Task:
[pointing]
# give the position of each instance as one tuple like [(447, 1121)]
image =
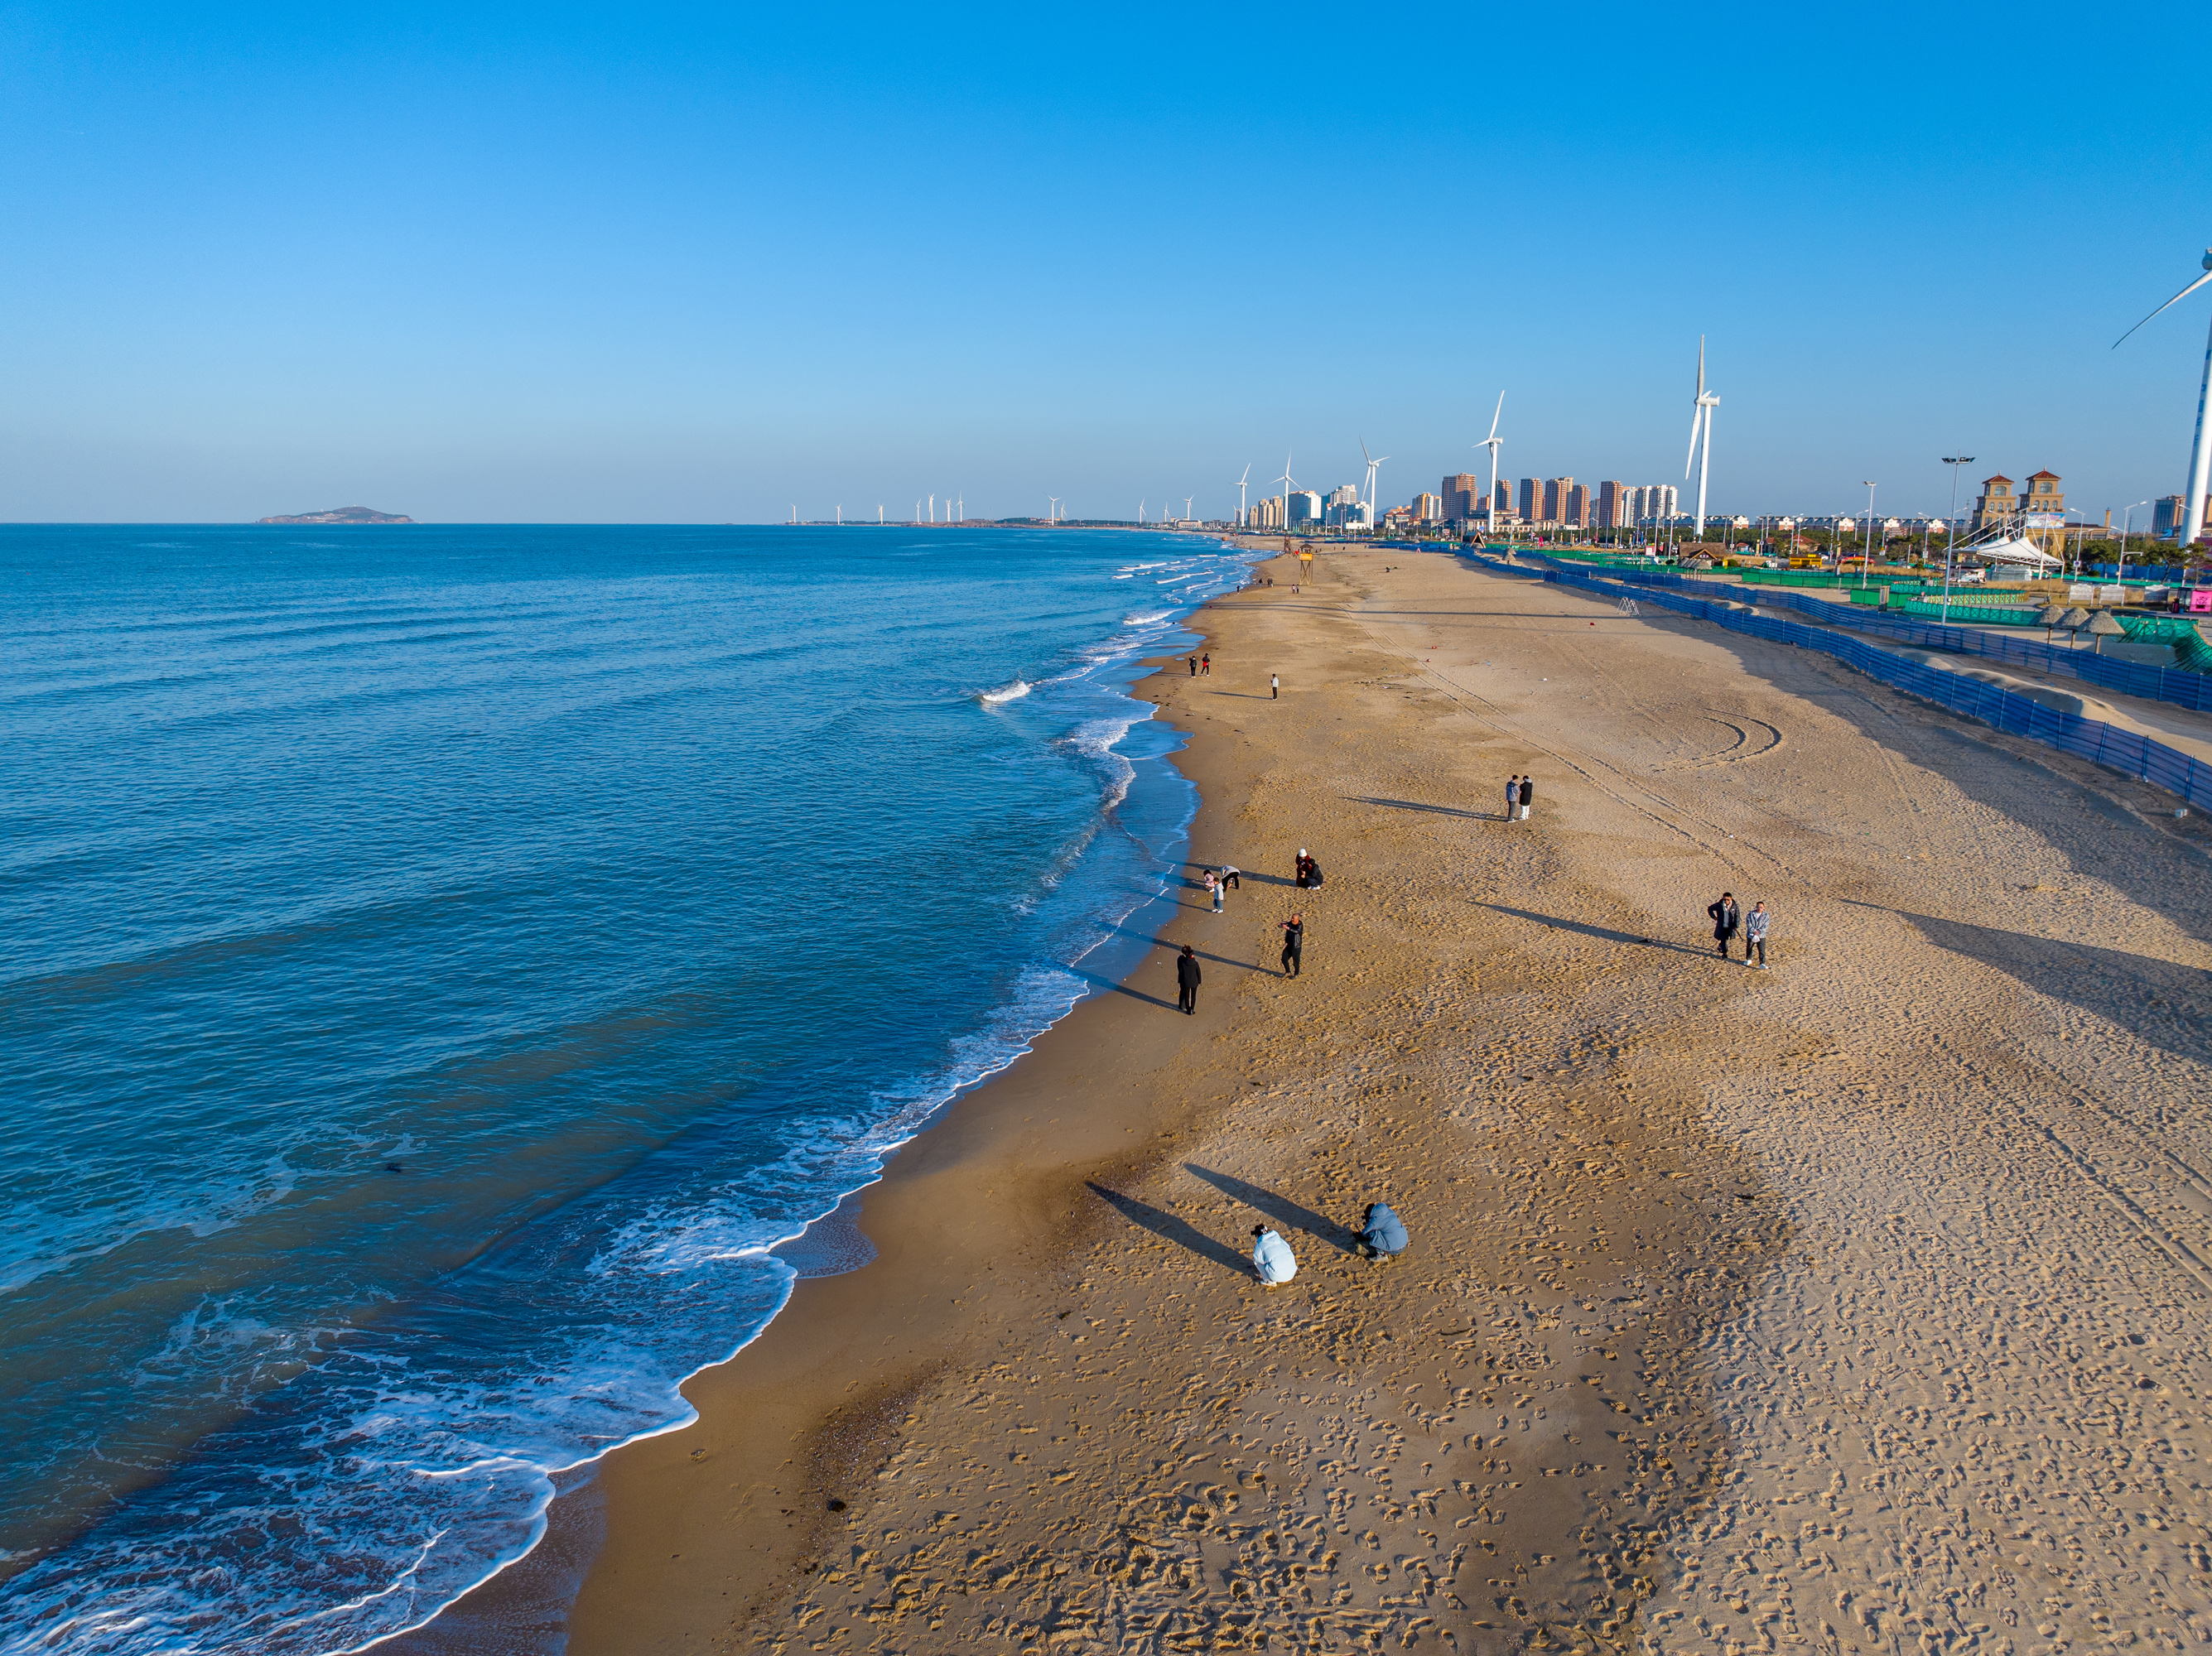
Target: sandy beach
[(1857, 1303)]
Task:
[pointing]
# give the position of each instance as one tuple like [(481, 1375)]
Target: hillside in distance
[(343, 514)]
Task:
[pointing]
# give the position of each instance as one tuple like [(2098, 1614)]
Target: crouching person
[(1381, 1233), (1272, 1258)]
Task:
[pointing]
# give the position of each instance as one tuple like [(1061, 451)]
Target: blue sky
[(678, 265)]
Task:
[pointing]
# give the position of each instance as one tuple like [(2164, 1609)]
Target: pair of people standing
[(1726, 919), (1520, 794)]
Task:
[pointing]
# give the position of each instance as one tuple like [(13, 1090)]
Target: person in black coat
[(1294, 943), (1528, 794), (1187, 980), (1724, 921)]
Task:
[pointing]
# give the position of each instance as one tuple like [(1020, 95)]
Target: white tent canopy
[(2020, 551)]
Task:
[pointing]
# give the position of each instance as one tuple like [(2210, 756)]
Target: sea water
[(440, 964)]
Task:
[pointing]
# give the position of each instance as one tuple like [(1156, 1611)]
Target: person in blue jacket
[(1381, 1233), (1272, 1258)]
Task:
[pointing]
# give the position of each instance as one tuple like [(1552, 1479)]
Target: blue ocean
[(442, 965)]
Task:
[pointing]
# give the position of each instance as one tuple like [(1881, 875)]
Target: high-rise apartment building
[(1304, 507), (1504, 497), (1575, 504), (1462, 492), (1427, 508), (1532, 500), (1268, 514), (1555, 499), (1612, 505)]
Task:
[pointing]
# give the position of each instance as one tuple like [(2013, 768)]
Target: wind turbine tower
[(1493, 443), (1701, 420), (1052, 509), (1240, 497), (1287, 480), (2200, 455), (1373, 462)]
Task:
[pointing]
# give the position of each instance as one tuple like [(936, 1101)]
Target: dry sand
[(1857, 1304)]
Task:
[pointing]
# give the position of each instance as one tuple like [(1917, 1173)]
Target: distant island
[(345, 515)]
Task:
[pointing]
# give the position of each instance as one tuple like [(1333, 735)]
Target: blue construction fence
[(2169, 684), (2086, 738)]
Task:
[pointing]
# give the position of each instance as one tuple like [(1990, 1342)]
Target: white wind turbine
[(1701, 419), (1052, 510), (1373, 463), (1493, 443), (1240, 497), (1287, 480), (1140, 509), (2200, 456)]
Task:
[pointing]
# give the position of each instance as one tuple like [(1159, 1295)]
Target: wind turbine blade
[(1496, 417), (1364, 454), (1696, 420), (2168, 305), (1701, 365)]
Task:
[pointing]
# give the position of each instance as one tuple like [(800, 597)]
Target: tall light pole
[(1866, 545), (1951, 525), (2121, 572)]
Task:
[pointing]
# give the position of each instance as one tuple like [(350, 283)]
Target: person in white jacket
[(1272, 1258)]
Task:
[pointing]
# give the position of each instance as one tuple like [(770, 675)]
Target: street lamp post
[(1866, 543), (1951, 527), (2121, 574)]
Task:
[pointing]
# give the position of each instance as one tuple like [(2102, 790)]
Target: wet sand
[(1852, 1302)]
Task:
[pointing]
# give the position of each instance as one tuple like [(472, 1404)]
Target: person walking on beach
[(1754, 935), (1724, 921), (1274, 688), (1527, 793), (1381, 1233), (1187, 980), (1512, 795), (1294, 942), (1194, 666), (1205, 667), (1213, 889), (1272, 1262)]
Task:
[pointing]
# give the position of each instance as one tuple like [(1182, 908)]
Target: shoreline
[(976, 1223), (535, 1590)]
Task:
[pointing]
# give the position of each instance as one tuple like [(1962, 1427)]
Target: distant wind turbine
[(1373, 462), (1140, 510), (1052, 508), (2200, 455), (1493, 443), (1187, 499), (1287, 480), (1701, 420), (1240, 497)]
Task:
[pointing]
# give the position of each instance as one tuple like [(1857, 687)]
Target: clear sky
[(661, 264)]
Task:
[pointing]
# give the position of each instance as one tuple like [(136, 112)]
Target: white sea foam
[(472, 1465)]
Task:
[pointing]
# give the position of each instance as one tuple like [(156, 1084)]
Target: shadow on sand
[(1284, 1211), (1434, 811), (1605, 934), (1168, 1227), (2161, 1004)]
